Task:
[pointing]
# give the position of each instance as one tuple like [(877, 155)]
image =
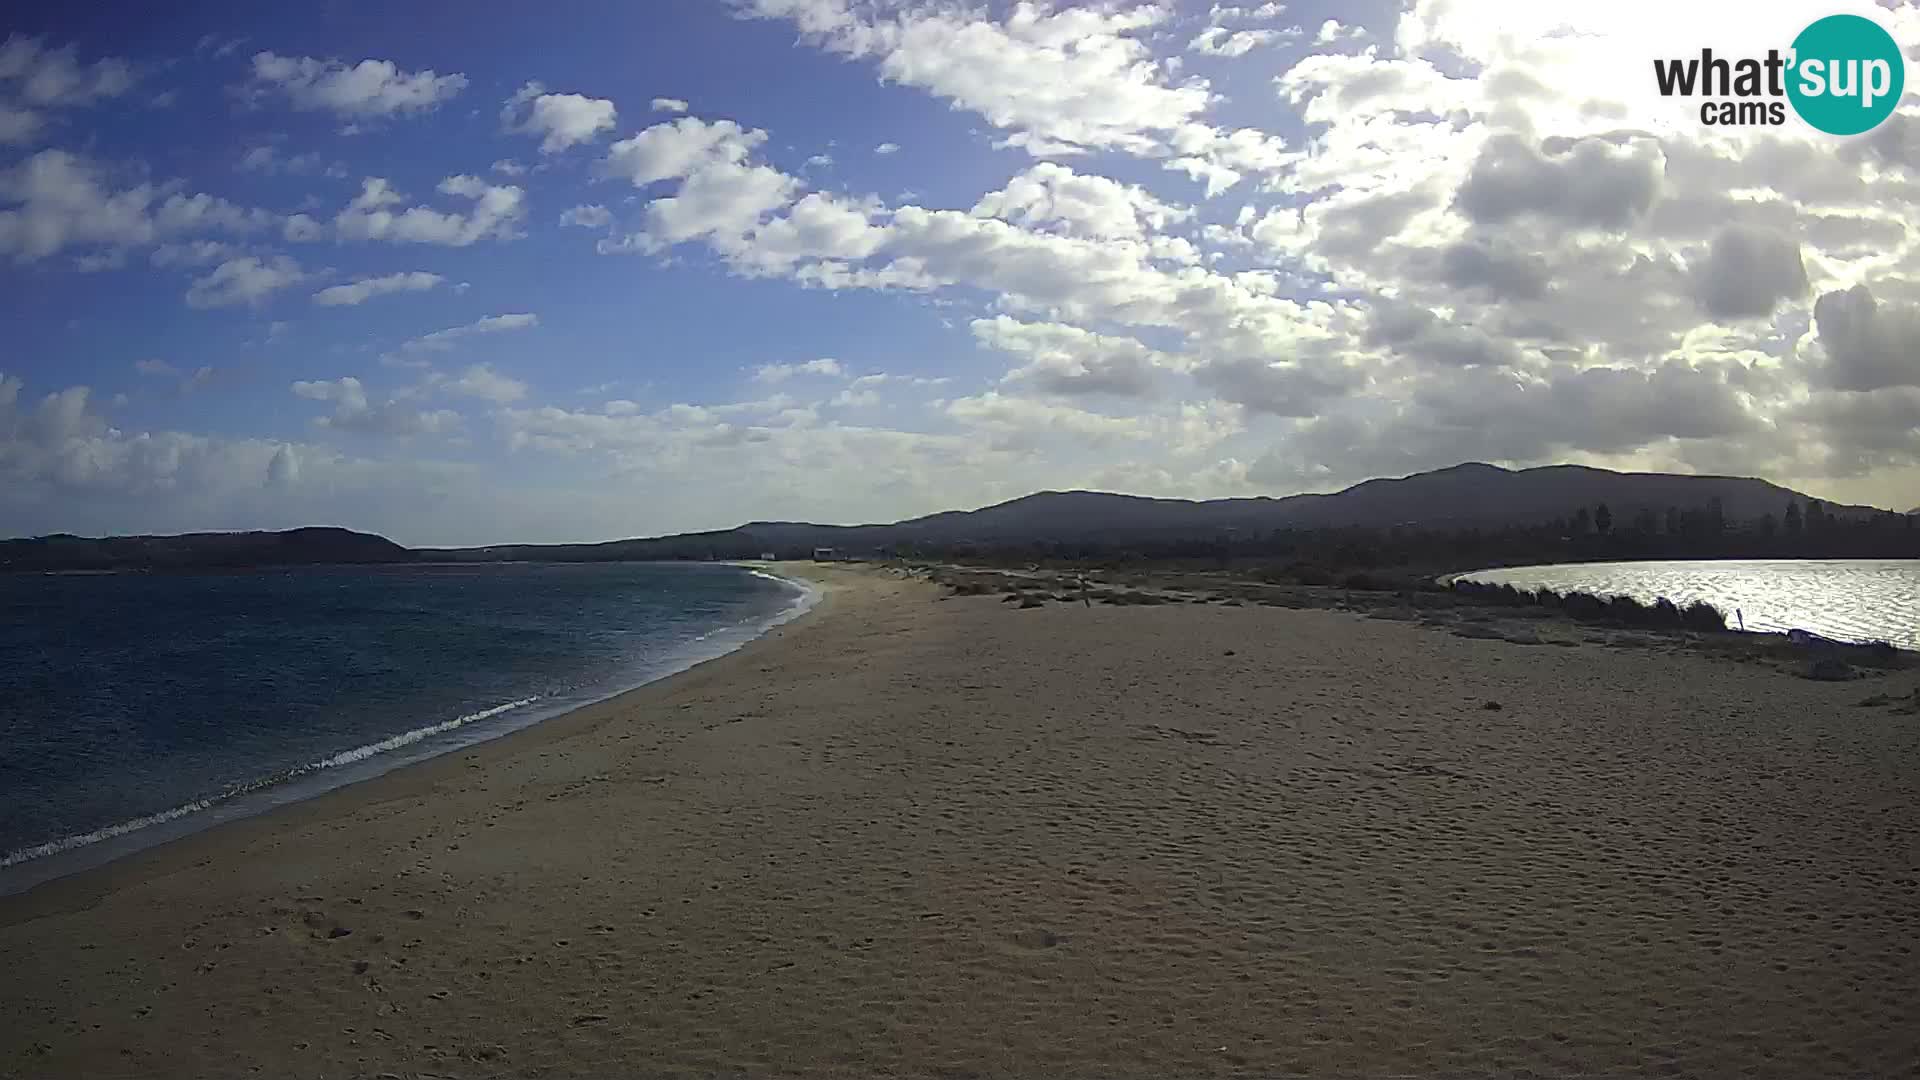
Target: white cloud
[(44, 77), (301, 229), (354, 411), (1068, 360), (195, 253), (886, 148), (54, 200), (587, 216), (509, 167), (269, 160), (1056, 80), (677, 149), (1093, 206), (1012, 421), (1332, 32), (481, 381), (492, 324), (371, 88), (560, 120), (776, 373), (1219, 41), (18, 125), (720, 200), (496, 214), (667, 104), (245, 280), (364, 289)]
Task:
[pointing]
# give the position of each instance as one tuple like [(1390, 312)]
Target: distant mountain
[(293, 547), (1463, 496), (1471, 495)]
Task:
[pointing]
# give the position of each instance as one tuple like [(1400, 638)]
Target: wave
[(345, 757)]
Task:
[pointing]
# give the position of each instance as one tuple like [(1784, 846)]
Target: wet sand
[(928, 836)]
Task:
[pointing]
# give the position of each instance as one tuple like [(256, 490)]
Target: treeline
[(1584, 534)]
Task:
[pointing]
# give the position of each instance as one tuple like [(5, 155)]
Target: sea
[(1843, 599), (137, 707)]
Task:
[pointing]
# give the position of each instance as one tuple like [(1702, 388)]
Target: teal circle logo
[(1848, 74)]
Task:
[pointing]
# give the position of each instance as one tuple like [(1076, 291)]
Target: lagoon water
[(1847, 599), (134, 707)]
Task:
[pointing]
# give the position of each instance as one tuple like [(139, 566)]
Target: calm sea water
[(1848, 599), (134, 707)]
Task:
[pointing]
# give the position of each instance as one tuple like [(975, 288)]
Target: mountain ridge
[(1464, 496)]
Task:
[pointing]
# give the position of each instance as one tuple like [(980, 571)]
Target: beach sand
[(929, 836)]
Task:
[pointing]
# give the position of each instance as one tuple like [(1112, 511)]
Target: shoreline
[(922, 834), (66, 856)]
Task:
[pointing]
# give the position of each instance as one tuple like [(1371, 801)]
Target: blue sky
[(643, 268)]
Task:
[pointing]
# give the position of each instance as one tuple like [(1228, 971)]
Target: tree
[(1817, 519), (1580, 522), (1793, 517), (1602, 519), (1768, 526)]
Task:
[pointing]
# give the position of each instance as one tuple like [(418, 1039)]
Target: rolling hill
[(1463, 496)]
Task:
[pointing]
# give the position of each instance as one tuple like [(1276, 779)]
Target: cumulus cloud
[(360, 291), (587, 216), (245, 280), (1748, 271), (55, 200), (371, 88), (671, 105), (496, 214), (355, 411), (1867, 345), (720, 196), (44, 77), (301, 229), (1068, 360), (559, 120), (677, 149), (1589, 181), (1220, 41), (1051, 195)]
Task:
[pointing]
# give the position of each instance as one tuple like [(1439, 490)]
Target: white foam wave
[(68, 843), (408, 738), (345, 757)]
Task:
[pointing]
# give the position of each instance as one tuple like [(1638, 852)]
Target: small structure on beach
[(824, 554), (767, 556)]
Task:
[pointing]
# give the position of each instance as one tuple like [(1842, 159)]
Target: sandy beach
[(921, 835)]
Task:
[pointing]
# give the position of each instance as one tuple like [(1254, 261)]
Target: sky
[(514, 272)]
